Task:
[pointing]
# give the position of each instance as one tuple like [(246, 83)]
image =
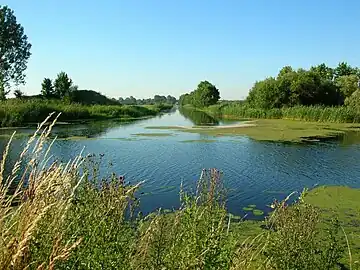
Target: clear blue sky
[(148, 47)]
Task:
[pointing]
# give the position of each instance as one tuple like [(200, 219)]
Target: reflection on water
[(254, 172), (199, 118)]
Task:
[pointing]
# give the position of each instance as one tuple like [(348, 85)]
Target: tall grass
[(18, 112), (68, 216), (341, 114)]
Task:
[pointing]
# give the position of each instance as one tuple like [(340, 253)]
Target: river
[(253, 172)]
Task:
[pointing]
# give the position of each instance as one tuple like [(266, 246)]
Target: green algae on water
[(258, 212)]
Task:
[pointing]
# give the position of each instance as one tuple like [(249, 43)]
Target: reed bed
[(20, 112), (340, 114)]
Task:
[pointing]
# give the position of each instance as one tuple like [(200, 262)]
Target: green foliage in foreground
[(199, 235), (19, 112)]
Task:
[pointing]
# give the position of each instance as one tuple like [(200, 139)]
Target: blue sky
[(148, 47)]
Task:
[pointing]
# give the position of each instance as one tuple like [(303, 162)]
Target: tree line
[(320, 85), (156, 100)]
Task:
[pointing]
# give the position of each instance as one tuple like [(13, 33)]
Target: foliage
[(18, 93), (62, 85), (19, 112), (339, 114), (14, 51), (347, 84), (158, 99), (321, 85), (90, 97), (297, 241), (205, 94), (47, 89)]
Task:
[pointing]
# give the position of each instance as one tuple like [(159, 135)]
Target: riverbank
[(14, 113)]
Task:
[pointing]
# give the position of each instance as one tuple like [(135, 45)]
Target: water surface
[(254, 172)]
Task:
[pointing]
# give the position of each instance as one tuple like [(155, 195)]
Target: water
[(254, 172)]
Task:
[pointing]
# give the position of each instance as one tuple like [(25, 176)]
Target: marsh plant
[(71, 216)]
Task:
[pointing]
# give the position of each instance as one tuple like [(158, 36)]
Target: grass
[(276, 130), (70, 216), (20, 112), (341, 114)]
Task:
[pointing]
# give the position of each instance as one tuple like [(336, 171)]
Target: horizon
[(126, 49)]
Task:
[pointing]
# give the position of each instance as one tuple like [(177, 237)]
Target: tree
[(159, 99), (285, 70), (62, 85), (347, 84), (325, 72), (74, 88), (170, 99), (266, 94), (18, 93), (14, 51), (353, 100), (206, 94), (344, 69), (47, 89)]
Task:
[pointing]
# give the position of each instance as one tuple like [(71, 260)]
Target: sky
[(148, 47)]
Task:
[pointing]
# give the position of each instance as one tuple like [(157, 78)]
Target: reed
[(20, 112), (340, 114)]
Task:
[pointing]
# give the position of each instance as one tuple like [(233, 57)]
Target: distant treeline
[(62, 88), (156, 100)]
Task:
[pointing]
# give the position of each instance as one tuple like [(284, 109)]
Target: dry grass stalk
[(38, 191)]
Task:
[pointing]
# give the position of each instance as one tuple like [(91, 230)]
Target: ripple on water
[(254, 172)]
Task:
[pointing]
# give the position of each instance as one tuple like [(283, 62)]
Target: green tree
[(285, 70), (206, 94), (344, 69), (62, 85), (325, 72), (353, 100), (170, 99), (159, 99), (306, 88), (266, 94), (18, 93), (14, 51), (347, 84), (47, 89)]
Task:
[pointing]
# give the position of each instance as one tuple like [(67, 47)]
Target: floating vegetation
[(252, 205), (247, 208), (258, 212)]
